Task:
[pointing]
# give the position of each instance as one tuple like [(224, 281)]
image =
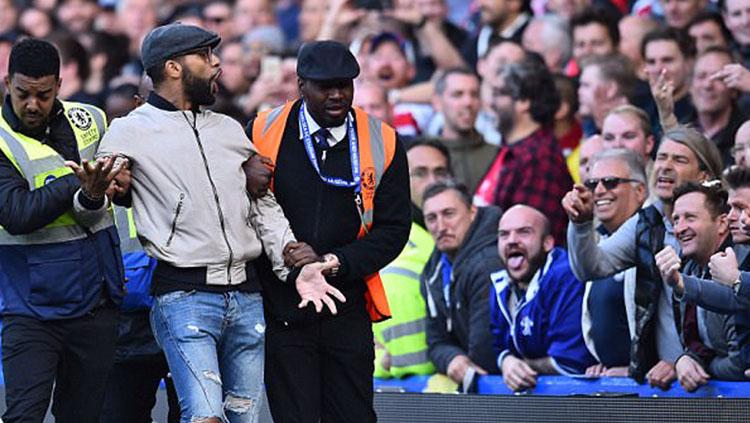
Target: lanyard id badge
[(354, 159), (353, 152)]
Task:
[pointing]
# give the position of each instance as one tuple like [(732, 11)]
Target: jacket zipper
[(174, 220), (216, 196), (450, 305)]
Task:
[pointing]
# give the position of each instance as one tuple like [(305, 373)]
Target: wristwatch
[(736, 286), (334, 270)]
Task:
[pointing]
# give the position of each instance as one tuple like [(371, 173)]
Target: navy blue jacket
[(548, 320), (60, 280)]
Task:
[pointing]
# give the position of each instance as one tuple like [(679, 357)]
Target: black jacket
[(650, 233), (23, 210), (326, 217), (469, 313)]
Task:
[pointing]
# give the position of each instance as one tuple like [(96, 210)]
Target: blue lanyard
[(446, 271), (353, 151)]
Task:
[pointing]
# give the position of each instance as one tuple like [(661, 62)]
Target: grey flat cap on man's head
[(325, 61), (168, 41)]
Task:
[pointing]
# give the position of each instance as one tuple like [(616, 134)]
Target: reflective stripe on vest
[(405, 329), (377, 145), (411, 359), (405, 335), (126, 231), (39, 164)]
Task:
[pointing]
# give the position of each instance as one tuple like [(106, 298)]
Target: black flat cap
[(167, 41), (326, 60)]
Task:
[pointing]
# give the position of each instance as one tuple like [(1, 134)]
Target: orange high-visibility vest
[(377, 145)]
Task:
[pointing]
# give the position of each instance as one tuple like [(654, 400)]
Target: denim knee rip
[(237, 404)]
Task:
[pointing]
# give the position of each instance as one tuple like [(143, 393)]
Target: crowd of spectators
[(567, 158)]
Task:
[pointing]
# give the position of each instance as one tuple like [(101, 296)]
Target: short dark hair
[(72, 51), (496, 40), (684, 43), (440, 187), (737, 177), (430, 142), (34, 58), (156, 73), (716, 195), (530, 80), (710, 16), (717, 50), (616, 68), (597, 15), (441, 83)]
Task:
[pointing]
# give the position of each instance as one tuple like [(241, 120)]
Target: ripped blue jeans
[(214, 347)]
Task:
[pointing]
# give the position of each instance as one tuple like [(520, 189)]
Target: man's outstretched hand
[(96, 177), (313, 287)]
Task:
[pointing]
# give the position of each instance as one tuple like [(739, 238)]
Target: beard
[(536, 261), (198, 91), (505, 122)]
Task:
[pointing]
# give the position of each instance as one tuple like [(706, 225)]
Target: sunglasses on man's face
[(609, 182)]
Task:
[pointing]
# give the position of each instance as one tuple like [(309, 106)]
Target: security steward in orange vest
[(341, 178)]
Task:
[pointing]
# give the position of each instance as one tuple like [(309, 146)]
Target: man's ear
[(435, 101), (723, 221), (412, 71), (173, 69), (641, 192), (301, 87), (611, 89), (482, 67), (522, 106), (473, 212), (649, 144), (562, 111), (548, 243)]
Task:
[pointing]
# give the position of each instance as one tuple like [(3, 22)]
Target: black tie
[(321, 137)]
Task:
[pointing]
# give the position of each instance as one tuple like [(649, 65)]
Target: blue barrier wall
[(567, 386)]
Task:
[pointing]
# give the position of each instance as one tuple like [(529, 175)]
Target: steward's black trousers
[(321, 370), (74, 354)]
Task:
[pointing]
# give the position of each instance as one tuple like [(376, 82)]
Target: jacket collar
[(16, 125), (160, 102)]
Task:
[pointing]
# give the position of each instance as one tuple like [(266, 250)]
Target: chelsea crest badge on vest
[(80, 118), (82, 123)]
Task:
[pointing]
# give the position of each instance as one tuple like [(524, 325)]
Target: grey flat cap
[(167, 41)]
